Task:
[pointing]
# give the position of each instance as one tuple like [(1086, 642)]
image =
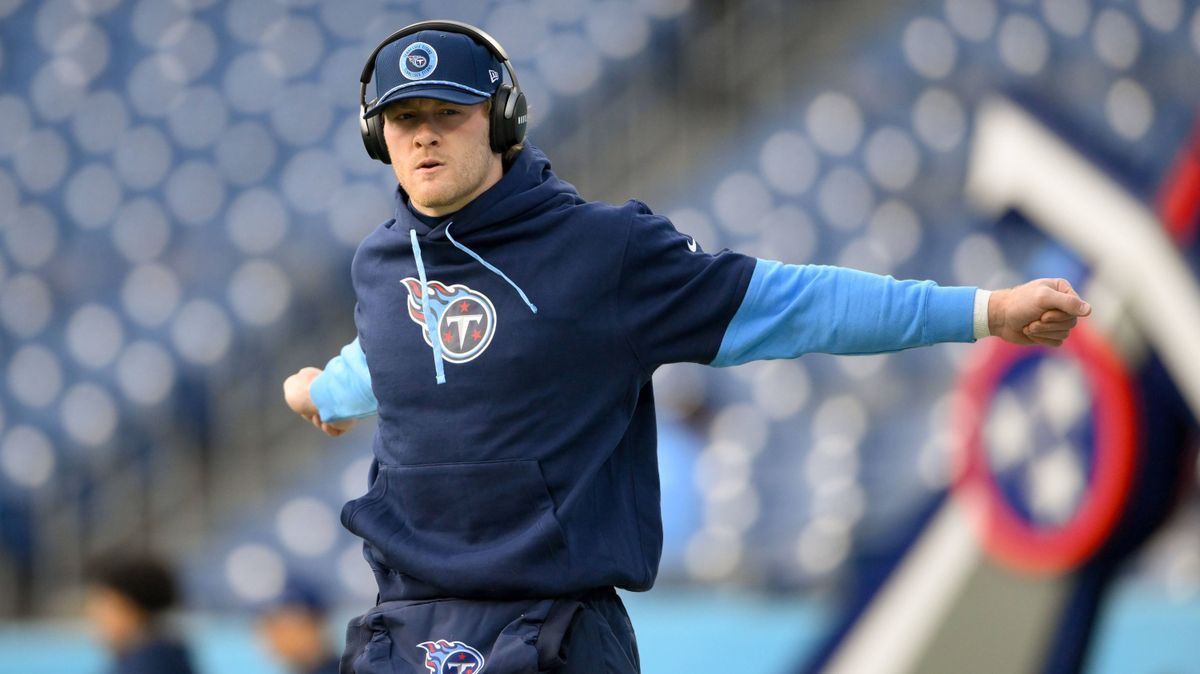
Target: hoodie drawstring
[(430, 320), (430, 323), (492, 268)]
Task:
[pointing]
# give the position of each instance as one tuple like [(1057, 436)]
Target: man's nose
[(426, 132)]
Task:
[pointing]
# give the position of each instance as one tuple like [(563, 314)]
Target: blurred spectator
[(294, 629), (128, 598)]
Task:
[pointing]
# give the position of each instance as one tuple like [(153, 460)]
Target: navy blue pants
[(588, 634)]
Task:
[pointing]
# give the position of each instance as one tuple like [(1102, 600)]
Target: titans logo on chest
[(465, 319)]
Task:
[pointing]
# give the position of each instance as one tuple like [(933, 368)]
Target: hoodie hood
[(527, 188)]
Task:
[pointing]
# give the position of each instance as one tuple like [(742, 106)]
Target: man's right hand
[(296, 393), (1042, 312)]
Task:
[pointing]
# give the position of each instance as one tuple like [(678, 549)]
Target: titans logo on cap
[(418, 61)]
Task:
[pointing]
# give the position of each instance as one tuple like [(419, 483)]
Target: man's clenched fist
[(1039, 312), (296, 393)]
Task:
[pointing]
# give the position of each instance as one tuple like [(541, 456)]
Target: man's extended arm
[(790, 310)]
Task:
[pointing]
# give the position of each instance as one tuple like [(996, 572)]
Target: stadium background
[(182, 187)]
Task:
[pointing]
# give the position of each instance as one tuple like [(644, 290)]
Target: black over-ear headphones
[(509, 115)]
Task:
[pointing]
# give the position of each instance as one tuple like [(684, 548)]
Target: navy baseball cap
[(435, 64)]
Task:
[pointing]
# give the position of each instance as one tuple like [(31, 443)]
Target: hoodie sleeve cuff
[(980, 323), (950, 314)]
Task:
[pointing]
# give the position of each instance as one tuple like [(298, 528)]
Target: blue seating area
[(181, 184), (822, 457), (804, 467)]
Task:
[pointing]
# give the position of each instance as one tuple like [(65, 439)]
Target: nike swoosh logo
[(692, 245)]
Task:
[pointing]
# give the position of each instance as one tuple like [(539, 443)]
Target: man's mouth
[(428, 165)]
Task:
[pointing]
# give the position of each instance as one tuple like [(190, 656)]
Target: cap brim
[(434, 91)]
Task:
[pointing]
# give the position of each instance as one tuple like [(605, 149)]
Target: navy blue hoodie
[(531, 471)]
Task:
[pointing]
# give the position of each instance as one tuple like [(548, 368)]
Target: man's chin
[(429, 203)]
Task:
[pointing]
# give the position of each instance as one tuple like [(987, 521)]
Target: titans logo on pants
[(465, 318), (451, 657)]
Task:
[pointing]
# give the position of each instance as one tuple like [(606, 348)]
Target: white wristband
[(981, 313)]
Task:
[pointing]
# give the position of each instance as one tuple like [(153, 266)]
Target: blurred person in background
[(293, 629), (515, 480), (128, 598)]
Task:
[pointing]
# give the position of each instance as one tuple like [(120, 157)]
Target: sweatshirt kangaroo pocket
[(485, 528)]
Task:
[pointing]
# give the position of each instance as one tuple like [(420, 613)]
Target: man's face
[(293, 635), (440, 152), (116, 620)]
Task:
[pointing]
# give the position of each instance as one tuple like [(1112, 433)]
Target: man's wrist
[(997, 301), (979, 322)]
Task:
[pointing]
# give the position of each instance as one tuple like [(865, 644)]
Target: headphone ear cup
[(507, 130), (498, 133), (377, 135), (371, 129), (519, 120)]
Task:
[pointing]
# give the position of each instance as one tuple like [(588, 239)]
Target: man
[(293, 628), (515, 481), (127, 600)]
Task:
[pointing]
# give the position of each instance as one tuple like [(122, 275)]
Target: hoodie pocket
[(479, 528)]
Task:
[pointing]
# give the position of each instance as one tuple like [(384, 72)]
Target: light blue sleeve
[(790, 310), (343, 389)]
